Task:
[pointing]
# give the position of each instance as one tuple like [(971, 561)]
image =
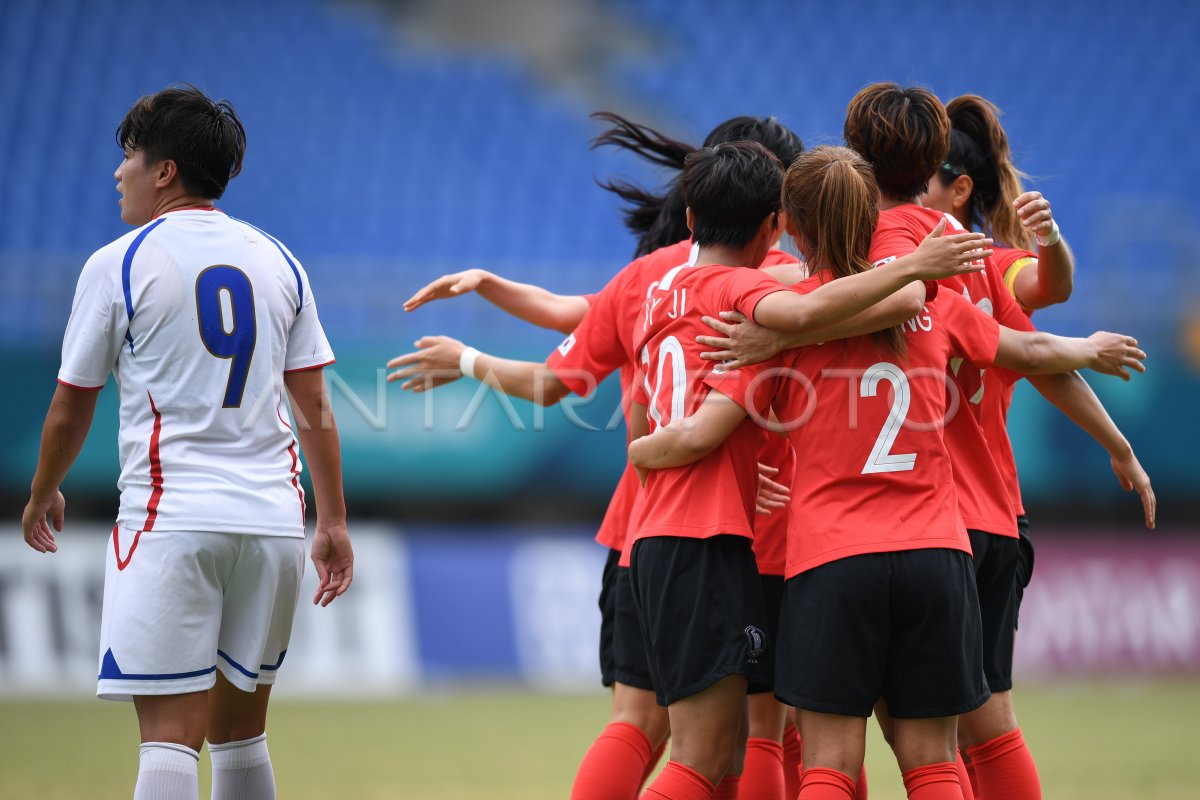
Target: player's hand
[(1133, 478), (333, 557), (641, 472), (771, 495), (1116, 354), (742, 341), (942, 255), (33, 522), (447, 286), (433, 363), (1035, 213)]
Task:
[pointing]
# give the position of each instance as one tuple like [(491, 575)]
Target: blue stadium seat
[(382, 166)]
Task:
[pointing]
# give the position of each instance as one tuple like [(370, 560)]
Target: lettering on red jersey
[(715, 495)]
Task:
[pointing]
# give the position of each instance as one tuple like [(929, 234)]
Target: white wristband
[(1052, 238), (466, 362)]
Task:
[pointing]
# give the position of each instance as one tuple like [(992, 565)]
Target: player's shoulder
[(256, 235), (911, 215), (664, 258), (680, 252), (776, 257), (111, 257), (639, 274)]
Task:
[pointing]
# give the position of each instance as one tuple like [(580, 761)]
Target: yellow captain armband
[(1014, 269)]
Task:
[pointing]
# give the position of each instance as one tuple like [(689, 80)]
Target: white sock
[(167, 771), (242, 770)]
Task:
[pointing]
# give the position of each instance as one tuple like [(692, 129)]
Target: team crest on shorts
[(756, 642)]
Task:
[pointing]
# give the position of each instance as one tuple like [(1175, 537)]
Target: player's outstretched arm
[(1072, 395), (1041, 353), (439, 360), (744, 342), (332, 554), (690, 439), (1053, 278), (533, 304), (937, 257), (66, 428)]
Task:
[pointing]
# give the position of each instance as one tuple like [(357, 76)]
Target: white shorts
[(180, 605)]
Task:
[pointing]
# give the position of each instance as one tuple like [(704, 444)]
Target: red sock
[(655, 757), (933, 782), (727, 789), (819, 783), (860, 786), (762, 779), (677, 782), (793, 762), (613, 766), (1004, 769), (964, 777)]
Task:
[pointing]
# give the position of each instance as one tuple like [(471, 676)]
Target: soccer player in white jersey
[(204, 321)]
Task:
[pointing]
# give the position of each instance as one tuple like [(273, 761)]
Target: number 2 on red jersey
[(882, 459)]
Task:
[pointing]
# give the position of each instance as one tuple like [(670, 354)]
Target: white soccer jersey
[(199, 316)]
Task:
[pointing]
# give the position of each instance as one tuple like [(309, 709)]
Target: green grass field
[(1098, 741)]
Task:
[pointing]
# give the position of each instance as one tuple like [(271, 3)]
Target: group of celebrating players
[(821, 510), (820, 519)]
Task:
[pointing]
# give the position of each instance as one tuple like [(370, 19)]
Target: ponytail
[(979, 147), (658, 220), (832, 198)]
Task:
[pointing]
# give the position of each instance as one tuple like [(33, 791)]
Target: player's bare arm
[(690, 439), (439, 360), (1070, 393), (66, 428), (1041, 353), (1051, 278), (332, 553), (937, 257), (744, 342), (527, 302)]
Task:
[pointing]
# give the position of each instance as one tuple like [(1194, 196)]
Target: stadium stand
[(384, 159)]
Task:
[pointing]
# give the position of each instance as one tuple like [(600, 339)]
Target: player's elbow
[(1059, 291), (910, 301), (549, 393)]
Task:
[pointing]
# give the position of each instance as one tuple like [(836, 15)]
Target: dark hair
[(903, 133), (731, 189), (831, 196), (658, 219), (204, 138), (979, 148)]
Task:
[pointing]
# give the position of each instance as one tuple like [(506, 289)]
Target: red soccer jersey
[(999, 384), (714, 495), (771, 530), (983, 496), (872, 471), (602, 343), (599, 346)]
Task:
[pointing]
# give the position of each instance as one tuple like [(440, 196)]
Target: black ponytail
[(659, 220)]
